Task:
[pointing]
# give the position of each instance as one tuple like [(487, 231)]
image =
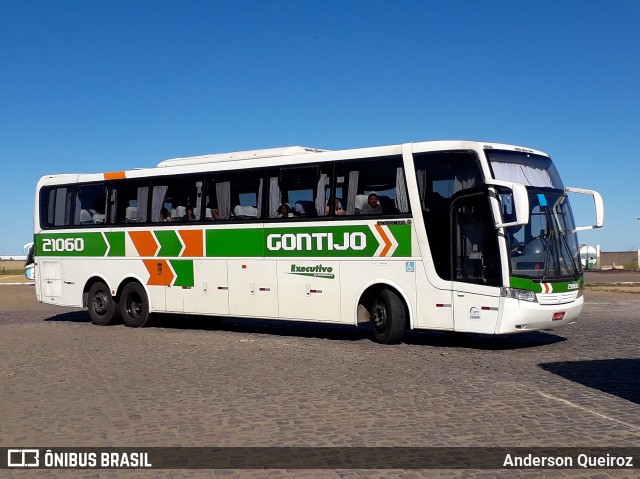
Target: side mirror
[(598, 203), (520, 202)]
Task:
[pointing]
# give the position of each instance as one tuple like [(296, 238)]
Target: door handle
[(460, 294)]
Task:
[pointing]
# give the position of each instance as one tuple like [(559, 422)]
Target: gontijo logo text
[(316, 241)]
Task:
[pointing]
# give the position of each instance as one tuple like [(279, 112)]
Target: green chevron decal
[(170, 244), (116, 241), (184, 272)]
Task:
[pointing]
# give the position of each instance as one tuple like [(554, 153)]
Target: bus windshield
[(547, 247)]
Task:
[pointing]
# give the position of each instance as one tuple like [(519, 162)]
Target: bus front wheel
[(134, 305), (102, 308), (388, 316)]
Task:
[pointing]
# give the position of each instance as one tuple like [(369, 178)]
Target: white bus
[(443, 235)]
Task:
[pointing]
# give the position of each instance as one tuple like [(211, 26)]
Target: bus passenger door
[(476, 265)]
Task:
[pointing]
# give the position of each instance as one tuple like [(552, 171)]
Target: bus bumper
[(522, 316)]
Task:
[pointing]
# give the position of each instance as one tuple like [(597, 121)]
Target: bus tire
[(101, 305), (388, 316), (134, 305)]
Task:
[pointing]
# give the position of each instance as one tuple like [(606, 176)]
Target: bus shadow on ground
[(345, 332), (334, 332), (490, 342), (613, 376), (71, 317)]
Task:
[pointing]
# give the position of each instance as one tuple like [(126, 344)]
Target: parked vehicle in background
[(29, 266)]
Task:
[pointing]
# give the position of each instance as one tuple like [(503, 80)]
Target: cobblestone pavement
[(189, 381)]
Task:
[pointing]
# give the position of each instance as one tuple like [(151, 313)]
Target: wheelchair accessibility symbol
[(411, 266)]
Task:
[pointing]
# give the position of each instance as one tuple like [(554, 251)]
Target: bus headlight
[(521, 294)]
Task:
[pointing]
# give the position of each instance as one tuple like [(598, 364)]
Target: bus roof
[(239, 155)]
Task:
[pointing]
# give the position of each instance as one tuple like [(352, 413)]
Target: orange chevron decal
[(160, 273), (192, 239), (145, 242), (115, 175), (385, 238)]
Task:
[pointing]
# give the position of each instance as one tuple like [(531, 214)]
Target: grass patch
[(11, 272)]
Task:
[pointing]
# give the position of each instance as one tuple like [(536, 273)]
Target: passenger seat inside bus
[(305, 208), (388, 205), (178, 213), (361, 200), (131, 214), (85, 217), (245, 212)]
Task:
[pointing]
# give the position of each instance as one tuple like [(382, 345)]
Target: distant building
[(620, 260)]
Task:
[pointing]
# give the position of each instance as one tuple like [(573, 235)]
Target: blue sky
[(90, 86)]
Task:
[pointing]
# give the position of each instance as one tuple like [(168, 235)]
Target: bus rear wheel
[(102, 308), (134, 305), (388, 316)]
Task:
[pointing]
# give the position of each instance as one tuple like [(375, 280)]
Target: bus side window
[(234, 196), (302, 188), (91, 204), (129, 200), (180, 196), (55, 206), (359, 180)]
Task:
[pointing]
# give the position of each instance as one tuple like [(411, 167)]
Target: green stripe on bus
[(307, 241), (71, 244), (536, 286), (80, 244), (236, 243)]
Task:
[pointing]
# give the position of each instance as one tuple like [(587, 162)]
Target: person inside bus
[(337, 207), (284, 211), (372, 206), (164, 214), (188, 214)]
